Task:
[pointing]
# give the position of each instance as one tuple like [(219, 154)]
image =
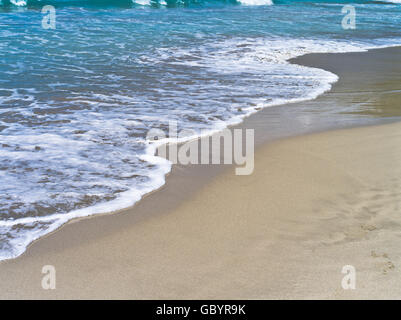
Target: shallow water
[(77, 102)]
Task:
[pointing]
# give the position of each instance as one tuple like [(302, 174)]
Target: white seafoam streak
[(244, 2), (257, 2), (22, 3), (391, 1), (19, 3)]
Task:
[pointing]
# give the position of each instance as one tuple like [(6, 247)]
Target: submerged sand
[(314, 204)]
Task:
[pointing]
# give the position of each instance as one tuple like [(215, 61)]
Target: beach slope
[(314, 204)]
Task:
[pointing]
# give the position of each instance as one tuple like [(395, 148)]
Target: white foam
[(256, 2), (244, 2), (391, 1), (142, 2), (19, 3)]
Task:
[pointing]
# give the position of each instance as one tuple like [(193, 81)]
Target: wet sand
[(315, 203)]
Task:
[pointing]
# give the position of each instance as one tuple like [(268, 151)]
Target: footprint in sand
[(388, 265), (368, 227)]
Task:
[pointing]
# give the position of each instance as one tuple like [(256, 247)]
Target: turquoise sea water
[(77, 101)]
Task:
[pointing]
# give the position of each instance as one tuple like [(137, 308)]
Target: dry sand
[(313, 204)]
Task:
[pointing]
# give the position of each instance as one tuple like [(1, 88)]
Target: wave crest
[(154, 3), (392, 1), (257, 2)]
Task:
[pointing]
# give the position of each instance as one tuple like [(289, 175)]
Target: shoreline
[(99, 209), (184, 190), (307, 60)]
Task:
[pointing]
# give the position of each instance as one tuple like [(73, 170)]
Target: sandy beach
[(319, 199)]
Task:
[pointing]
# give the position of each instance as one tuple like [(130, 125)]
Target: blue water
[(76, 102)]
